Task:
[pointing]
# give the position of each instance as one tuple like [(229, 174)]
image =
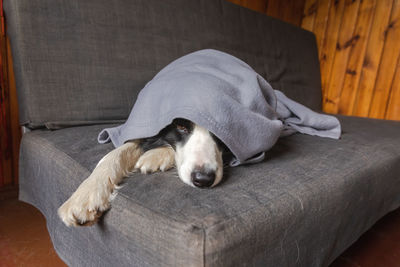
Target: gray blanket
[(226, 96)]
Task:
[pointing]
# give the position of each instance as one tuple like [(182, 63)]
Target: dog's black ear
[(178, 131), (183, 124), (153, 142)]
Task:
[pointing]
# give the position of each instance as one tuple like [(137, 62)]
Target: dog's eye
[(182, 129)]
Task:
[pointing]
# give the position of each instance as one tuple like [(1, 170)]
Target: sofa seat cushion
[(304, 205)]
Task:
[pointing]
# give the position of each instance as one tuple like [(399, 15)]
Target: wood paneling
[(387, 68), (359, 75), (359, 50), (393, 109), (15, 129), (355, 62), (10, 134), (329, 44), (6, 176), (321, 21), (372, 58), (340, 55), (289, 10)]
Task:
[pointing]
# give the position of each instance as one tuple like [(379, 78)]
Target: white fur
[(161, 158), (199, 151), (93, 196)]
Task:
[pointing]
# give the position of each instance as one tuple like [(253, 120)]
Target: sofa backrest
[(83, 62)]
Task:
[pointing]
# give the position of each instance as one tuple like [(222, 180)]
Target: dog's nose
[(203, 178)]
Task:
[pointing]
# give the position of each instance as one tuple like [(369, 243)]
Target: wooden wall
[(10, 133), (288, 10), (359, 47)]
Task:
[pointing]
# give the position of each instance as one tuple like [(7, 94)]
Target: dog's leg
[(92, 197), (160, 158)]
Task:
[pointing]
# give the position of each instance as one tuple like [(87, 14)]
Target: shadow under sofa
[(79, 66)]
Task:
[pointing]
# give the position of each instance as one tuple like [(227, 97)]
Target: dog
[(198, 155)]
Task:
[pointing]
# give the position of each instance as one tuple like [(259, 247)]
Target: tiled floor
[(24, 240)]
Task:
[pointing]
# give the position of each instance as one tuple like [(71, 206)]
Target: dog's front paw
[(161, 158), (87, 203)]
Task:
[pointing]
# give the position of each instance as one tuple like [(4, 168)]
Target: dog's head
[(198, 153)]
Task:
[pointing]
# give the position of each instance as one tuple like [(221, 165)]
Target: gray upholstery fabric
[(78, 61), (260, 215)]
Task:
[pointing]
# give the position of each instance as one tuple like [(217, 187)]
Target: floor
[(24, 240), (380, 246)]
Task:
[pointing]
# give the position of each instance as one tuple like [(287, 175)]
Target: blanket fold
[(226, 96)]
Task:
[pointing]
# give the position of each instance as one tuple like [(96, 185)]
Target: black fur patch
[(178, 132)]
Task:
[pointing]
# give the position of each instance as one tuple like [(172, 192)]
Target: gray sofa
[(79, 66)]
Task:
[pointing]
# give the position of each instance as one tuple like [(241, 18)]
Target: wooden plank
[(256, 5), (3, 129), (321, 20), (295, 13), (14, 119), (329, 43), (387, 68), (274, 9), (356, 57), (346, 40), (290, 11), (372, 57), (8, 192), (393, 108), (5, 134), (310, 12)]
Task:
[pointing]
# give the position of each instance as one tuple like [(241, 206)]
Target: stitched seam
[(156, 212)]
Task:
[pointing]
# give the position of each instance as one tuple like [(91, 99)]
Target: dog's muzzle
[(202, 177)]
